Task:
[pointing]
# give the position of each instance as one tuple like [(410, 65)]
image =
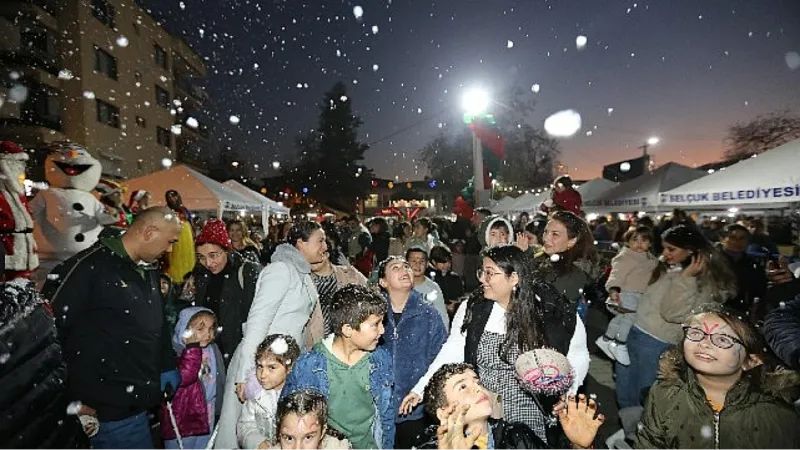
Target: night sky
[(682, 70)]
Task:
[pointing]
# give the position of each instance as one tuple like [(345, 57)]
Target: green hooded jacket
[(757, 414)]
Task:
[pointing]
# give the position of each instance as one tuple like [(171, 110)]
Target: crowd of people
[(378, 334)]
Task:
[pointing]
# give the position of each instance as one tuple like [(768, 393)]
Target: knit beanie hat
[(214, 232)]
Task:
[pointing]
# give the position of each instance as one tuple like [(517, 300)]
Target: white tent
[(503, 204), (271, 205), (199, 192), (770, 180), (594, 189), (642, 193), (530, 202)]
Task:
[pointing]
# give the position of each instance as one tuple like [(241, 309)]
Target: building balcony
[(49, 122)]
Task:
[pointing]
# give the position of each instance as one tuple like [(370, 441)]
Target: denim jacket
[(414, 341), (311, 372)]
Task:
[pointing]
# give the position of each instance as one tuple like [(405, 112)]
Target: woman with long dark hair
[(512, 312), (569, 261), (691, 273)]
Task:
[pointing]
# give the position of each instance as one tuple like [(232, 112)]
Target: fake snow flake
[(89, 95), (276, 165), (74, 408), (374, 67), (374, 29), (18, 93), (343, 98), (580, 42), (52, 276), (234, 120), (279, 346), (166, 163), (182, 5), (65, 74), (4, 358), (219, 330), (706, 431), (188, 333), (192, 122), (358, 12), (176, 129), (563, 123), (535, 88), (555, 257), (510, 44), (792, 60), (432, 296), (122, 41), (129, 389), (626, 166), (610, 111)]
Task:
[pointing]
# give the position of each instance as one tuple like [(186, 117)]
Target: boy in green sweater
[(351, 371)]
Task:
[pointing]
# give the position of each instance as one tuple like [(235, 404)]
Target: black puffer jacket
[(33, 397), (505, 435), (782, 331), (233, 304)]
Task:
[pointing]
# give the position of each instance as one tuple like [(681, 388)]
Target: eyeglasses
[(488, 274), (720, 340)]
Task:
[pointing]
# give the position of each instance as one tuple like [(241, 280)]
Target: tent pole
[(220, 210), (265, 220)]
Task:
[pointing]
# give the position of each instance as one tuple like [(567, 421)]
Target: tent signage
[(778, 192)]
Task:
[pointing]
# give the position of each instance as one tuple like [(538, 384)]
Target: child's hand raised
[(409, 403), (579, 419), (451, 433), (522, 241)]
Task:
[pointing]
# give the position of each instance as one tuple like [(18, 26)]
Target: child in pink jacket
[(199, 396)]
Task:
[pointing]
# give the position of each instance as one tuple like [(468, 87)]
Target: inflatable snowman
[(68, 217)]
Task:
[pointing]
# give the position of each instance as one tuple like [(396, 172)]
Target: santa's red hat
[(11, 151), (214, 232)]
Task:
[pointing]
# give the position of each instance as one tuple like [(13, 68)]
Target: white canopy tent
[(594, 189), (271, 205), (503, 204), (642, 193), (199, 192), (769, 181), (530, 202)]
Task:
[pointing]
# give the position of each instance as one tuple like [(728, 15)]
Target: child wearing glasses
[(720, 388)]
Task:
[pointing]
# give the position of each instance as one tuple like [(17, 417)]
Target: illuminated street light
[(653, 140), (475, 101)]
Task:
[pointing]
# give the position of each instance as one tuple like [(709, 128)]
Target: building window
[(42, 107), (107, 113), (163, 136), (162, 96), (141, 122), (105, 63), (104, 12), (159, 56)]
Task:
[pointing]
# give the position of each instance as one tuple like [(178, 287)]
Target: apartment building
[(104, 74)]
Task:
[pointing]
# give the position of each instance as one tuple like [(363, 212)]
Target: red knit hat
[(214, 232)]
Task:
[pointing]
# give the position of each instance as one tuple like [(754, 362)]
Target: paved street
[(601, 381)]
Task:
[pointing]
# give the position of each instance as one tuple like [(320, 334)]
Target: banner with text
[(776, 194)]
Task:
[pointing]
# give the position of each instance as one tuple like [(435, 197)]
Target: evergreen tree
[(330, 163)]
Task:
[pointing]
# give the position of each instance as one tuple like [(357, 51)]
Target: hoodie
[(486, 229), (199, 396)]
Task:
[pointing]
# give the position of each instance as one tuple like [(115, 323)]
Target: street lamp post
[(475, 103)]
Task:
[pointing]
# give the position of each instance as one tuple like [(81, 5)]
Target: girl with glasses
[(720, 389)]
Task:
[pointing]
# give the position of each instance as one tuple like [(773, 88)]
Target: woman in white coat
[(286, 302)]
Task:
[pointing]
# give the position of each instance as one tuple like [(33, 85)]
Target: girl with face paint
[(720, 387)]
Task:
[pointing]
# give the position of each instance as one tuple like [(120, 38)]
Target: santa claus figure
[(68, 217), (16, 223)]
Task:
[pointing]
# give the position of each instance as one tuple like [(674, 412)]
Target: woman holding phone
[(690, 273)]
